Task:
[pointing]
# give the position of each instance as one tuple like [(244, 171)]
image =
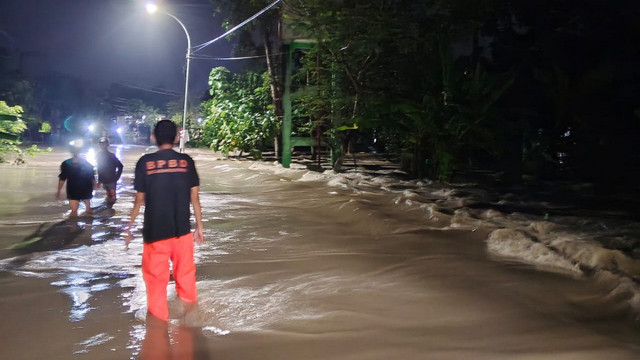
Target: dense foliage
[(239, 116), (11, 127), (142, 112), (544, 89)]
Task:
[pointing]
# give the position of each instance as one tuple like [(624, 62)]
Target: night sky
[(106, 41)]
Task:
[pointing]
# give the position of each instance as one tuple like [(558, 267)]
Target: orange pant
[(155, 272)]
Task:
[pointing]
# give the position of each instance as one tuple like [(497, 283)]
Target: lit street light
[(152, 8)]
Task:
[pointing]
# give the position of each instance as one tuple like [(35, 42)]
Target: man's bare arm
[(198, 234), (60, 184), (138, 202)]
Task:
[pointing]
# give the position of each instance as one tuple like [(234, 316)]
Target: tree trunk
[(276, 91)]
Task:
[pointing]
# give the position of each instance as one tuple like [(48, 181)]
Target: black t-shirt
[(79, 177), (166, 177), (109, 167)]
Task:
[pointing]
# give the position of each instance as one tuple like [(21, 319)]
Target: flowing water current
[(306, 265)]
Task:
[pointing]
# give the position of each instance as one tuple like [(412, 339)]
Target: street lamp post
[(152, 8)]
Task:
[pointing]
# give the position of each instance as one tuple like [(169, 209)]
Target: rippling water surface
[(303, 265)]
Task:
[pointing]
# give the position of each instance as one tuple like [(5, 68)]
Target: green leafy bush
[(240, 115), (11, 127)]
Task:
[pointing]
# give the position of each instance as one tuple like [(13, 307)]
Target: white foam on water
[(443, 193), (95, 340), (224, 168), (560, 248), (250, 304), (463, 219), (312, 176), (517, 244), (338, 181), (295, 171), (531, 240), (106, 257), (240, 305), (568, 245), (216, 330), (491, 214), (409, 193), (433, 212)]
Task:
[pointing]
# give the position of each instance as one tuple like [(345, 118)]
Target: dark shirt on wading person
[(109, 167), (166, 178), (79, 177)]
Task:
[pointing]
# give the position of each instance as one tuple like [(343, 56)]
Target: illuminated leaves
[(240, 115)]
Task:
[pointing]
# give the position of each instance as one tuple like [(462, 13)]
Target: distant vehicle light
[(91, 127), (78, 143), (152, 8), (119, 130)]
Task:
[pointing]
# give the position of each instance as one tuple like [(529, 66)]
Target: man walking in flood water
[(109, 170), (166, 182), (78, 173)]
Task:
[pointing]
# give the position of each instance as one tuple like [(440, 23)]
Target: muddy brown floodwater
[(294, 268)]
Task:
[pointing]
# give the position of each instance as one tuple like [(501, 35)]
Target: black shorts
[(79, 194)]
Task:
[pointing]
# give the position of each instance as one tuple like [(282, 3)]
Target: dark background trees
[(533, 91)]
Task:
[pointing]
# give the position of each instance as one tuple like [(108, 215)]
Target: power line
[(204, 45), (206, 57), (157, 91)]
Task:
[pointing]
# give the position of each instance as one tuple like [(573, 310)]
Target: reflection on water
[(81, 287), (327, 266), (176, 342)]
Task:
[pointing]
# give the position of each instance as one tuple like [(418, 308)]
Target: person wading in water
[(78, 173), (109, 171), (166, 182)]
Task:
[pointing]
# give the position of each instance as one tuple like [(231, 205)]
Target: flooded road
[(298, 265)]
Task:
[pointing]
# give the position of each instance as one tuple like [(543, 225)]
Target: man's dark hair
[(165, 132)]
